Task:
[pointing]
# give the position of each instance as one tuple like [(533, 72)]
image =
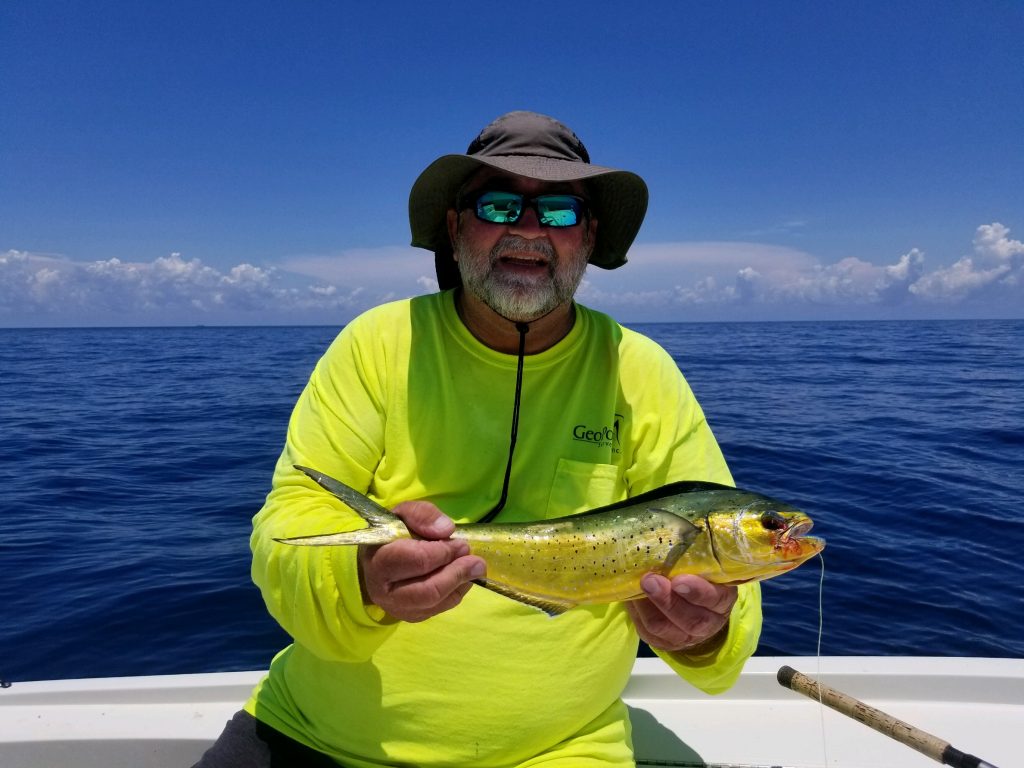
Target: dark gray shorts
[(248, 743)]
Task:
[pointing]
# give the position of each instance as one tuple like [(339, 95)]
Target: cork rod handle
[(925, 743)]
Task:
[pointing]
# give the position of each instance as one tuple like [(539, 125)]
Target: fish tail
[(384, 525), (361, 536)]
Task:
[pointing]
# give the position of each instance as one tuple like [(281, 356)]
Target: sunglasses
[(508, 207)]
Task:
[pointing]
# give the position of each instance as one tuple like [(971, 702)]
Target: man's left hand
[(684, 614)]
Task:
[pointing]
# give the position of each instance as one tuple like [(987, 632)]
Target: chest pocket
[(580, 485)]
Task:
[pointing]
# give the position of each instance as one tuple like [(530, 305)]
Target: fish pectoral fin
[(687, 533), (548, 605)]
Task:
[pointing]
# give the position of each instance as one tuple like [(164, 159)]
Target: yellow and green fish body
[(595, 557), (723, 534)]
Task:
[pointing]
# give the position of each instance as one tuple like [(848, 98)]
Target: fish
[(723, 534)]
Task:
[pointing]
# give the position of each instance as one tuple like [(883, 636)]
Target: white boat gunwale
[(975, 704)]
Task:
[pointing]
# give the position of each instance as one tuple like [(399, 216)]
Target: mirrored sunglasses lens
[(499, 207), (558, 210)]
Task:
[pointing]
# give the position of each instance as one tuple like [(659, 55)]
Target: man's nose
[(528, 224)]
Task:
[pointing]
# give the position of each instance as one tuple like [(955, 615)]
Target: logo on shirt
[(602, 436)]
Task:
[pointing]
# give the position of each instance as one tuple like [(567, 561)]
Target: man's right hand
[(414, 579)]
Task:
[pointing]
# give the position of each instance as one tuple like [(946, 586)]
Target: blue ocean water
[(133, 459)]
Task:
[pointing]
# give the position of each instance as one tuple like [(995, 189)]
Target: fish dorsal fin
[(365, 507), (672, 489), (549, 606)]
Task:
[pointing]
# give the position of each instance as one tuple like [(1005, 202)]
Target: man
[(497, 397)]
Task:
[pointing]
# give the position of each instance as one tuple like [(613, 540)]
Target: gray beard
[(520, 298)]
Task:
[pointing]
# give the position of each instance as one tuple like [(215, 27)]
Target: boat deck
[(975, 704)]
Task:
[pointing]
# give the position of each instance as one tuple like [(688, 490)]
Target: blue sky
[(250, 163)]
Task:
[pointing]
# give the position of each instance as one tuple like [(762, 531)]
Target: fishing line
[(821, 605), (644, 762), (821, 632)]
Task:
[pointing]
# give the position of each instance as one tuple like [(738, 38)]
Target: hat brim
[(618, 199)]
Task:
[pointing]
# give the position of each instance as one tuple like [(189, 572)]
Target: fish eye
[(773, 521)]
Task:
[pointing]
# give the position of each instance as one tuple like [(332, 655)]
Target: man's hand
[(414, 579), (685, 614)]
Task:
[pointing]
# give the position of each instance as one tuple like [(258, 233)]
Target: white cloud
[(676, 277), (662, 276), (41, 289), (362, 265), (994, 272), (663, 281), (737, 280), (992, 242)]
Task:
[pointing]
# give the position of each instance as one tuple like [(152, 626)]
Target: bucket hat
[(539, 147)]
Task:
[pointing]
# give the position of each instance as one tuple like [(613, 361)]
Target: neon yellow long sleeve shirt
[(407, 404)]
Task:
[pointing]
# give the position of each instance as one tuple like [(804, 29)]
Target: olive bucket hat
[(538, 147)]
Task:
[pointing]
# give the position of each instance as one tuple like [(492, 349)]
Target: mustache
[(514, 244)]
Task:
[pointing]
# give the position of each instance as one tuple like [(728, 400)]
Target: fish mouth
[(794, 540), (797, 530)]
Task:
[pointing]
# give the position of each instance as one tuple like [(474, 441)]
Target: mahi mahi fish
[(725, 535)]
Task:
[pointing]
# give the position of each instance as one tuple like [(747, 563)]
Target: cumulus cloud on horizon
[(997, 262), (44, 290), (755, 281), (664, 281)]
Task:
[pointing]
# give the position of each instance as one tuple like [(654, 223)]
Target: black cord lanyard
[(522, 328)]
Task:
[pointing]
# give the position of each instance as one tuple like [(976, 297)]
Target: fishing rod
[(915, 738)]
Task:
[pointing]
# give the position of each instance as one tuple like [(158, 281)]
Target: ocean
[(132, 461)]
